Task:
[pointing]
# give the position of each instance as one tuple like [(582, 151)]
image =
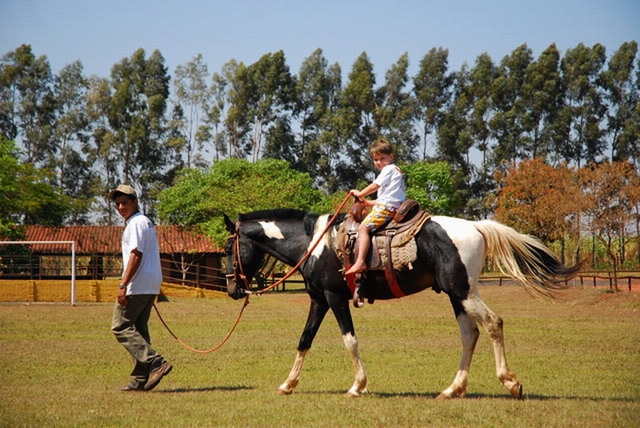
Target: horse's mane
[(277, 214)]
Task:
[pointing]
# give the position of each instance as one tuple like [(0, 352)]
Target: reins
[(248, 289)]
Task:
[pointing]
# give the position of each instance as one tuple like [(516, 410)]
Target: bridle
[(238, 274)]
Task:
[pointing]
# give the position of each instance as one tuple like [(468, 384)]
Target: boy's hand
[(356, 193)]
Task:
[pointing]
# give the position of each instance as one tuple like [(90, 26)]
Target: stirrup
[(358, 301)]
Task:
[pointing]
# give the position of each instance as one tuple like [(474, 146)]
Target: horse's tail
[(524, 258)]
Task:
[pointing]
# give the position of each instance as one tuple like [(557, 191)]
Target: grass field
[(578, 359)]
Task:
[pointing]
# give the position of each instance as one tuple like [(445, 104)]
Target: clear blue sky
[(100, 33)]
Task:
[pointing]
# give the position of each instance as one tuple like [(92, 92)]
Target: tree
[(27, 102), (101, 150), (581, 138), (137, 122), (542, 98), (70, 160), (610, 193), (26, 195), (271, 96), (238, 98), (507, 122), (622, 93), (233, 186), (480, 80), (538, 199), (431, 185), (317, 96), (215, 112), (354, 126), (432, 89), (192, 96), (397, 111)]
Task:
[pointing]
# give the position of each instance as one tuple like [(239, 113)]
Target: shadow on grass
[(207, 389), (476, 396)]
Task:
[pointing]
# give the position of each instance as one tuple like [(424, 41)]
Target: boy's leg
[(363, 247), (379, 216)]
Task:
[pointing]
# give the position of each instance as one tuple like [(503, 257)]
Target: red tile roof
[(107, 239)]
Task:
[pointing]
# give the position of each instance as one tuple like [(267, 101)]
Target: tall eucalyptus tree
[(397, 110), (432, 87)]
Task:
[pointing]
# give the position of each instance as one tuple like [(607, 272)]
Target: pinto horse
[(450, 255)]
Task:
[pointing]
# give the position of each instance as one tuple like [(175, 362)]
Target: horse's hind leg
[(317, 311), (493, 324), (469, 335)]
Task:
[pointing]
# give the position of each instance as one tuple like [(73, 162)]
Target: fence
[(597, 278), (98, 267), (198, 275)]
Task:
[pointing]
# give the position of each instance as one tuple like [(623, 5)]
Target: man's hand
[(121, 296)]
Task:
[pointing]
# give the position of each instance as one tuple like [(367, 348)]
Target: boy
[(391, 194)]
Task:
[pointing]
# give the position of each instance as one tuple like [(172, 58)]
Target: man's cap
[(123, 188)]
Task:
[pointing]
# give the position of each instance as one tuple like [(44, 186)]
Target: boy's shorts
[(379, 216)]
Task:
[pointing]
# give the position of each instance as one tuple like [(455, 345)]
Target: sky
[(101, 33)]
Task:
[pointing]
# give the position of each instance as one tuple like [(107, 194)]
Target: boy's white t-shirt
[(392, 189), (140, 233)]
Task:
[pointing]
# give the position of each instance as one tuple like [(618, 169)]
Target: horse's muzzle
[(233, 290)]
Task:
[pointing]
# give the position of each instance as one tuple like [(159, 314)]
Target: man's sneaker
[(130, 388), (156, 376)]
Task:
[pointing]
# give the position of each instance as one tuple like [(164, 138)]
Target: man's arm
[(132, 267)]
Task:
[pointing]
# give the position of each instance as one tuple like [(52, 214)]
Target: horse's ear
[(229, 224)]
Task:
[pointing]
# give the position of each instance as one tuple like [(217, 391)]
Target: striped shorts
[(379, 216)]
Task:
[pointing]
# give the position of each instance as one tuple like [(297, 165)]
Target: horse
[(451, 253)]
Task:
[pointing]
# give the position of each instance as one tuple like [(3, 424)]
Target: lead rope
[(264, 290), (215, 348)]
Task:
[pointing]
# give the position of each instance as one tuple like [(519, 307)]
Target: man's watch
[(122, 286)]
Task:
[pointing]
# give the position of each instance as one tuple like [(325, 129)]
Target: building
[(187, 258)]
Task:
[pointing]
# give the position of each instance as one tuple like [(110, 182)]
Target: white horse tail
[(524, 258)]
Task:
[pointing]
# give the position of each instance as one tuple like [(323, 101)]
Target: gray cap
[(123, 188)]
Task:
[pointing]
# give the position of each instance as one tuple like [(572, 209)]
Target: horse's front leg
[(340, 307), (317, 310)]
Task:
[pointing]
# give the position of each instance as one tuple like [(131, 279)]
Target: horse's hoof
[(283, 392), (516, 391), (441, 396), (351, 394)]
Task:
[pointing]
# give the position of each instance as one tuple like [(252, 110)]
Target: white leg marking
[(294, 376), (317, 230), (271, 230), (493, 324), (360, 383), (469, 334)]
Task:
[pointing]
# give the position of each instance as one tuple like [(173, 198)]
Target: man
[(140, 285)]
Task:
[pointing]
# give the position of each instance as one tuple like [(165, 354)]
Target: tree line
[(144, 126)]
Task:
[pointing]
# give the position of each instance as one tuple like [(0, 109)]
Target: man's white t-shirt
[(392, 190), (140, 233)]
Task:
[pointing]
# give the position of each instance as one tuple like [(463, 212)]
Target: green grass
[(577, 358)]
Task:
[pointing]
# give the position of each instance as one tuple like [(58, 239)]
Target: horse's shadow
[(206, 389), (479, 396)]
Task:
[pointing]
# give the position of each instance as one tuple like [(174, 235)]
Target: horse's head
[(243, 260)]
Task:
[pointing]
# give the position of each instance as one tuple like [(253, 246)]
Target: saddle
[(392, 249)]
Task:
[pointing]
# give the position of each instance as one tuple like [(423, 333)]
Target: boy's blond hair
[(381, 147)]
